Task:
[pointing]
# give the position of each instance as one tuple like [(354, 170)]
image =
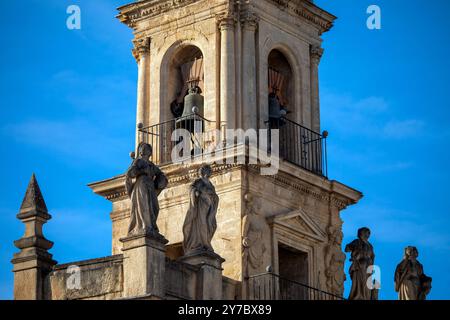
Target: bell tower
[(248, 64), (239, 53)]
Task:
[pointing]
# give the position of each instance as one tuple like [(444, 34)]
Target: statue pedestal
[(144, 265), (209, 278)]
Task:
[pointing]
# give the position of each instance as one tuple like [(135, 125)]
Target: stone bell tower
[(255, 65)]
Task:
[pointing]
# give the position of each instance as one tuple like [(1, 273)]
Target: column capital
[(226, 22), (316, 53), (141, 47), (250, 21)]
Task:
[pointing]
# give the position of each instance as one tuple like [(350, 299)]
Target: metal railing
[(163, 139), (270, 286), (301, 146), (298, 145)]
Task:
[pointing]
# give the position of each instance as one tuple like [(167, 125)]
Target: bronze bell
[(274, 107), (193, 109), (276, 111)]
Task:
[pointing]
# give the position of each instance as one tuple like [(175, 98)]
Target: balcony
[(270, 286), (301, 146), (297, 144), (164, 139)]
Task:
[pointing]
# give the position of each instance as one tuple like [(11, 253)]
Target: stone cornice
[(131, 13), (319, 188), (329, 192), (307, 10), (114, 189)]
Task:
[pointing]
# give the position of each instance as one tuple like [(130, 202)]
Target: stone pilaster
[(209, 277), (227, 72), (315, 55), (141, 52), (249, 26), (144, 266), (33, 263)]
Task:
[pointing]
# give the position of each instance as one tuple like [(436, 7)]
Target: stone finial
[(33, 200), (33, 262), (34, 214)]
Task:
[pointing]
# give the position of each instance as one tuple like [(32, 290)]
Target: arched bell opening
[(185, 106), (186, 83), (281, 84)]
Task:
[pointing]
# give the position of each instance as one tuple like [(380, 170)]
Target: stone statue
[(410, 281), (336, 259), (362, 257), (200, 223), (144, 182), (254, 227)]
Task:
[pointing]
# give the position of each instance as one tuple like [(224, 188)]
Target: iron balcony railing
[(270, 286), (301, 146), (163, 138), (297, 144)]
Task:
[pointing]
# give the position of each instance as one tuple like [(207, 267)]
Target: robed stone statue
[(410, 281), (144, 182), (200, 223), (335, 261), (362, 257), (254, 230)]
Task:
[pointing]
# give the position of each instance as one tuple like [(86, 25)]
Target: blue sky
[(68, 113)]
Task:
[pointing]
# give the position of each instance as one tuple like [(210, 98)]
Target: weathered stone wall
[(100, 279), (181, 280)]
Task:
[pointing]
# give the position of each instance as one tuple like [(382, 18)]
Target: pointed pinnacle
[(33, 199)]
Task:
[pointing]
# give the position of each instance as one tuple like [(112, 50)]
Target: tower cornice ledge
[(289, 176), (309, 11), (131, 13)]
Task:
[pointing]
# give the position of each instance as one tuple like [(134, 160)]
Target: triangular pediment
[(299, 221)]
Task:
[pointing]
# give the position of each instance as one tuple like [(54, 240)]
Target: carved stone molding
[(179, 175), (320, 195), (176, 175), (226, 21), (131, 13), (300, 222), (316, 53), (141, 47), (308, 11), (249, 21), (335, 260), (183, 175)]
